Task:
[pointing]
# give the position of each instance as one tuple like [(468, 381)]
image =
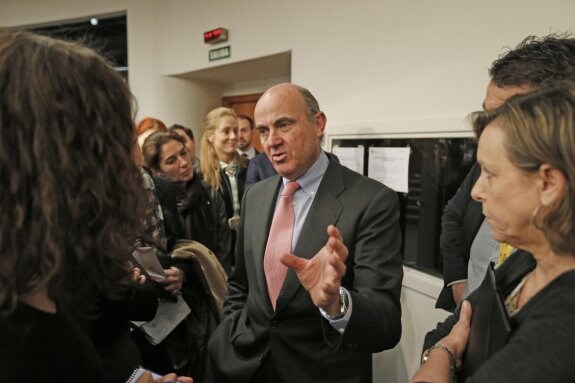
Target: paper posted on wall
[(390, 166), (350, 157)]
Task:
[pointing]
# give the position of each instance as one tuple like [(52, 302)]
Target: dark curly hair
[(72, 198), (536, 62)]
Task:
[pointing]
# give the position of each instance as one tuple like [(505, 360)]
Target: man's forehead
[(280, 95), (496, 95), (279, 102)]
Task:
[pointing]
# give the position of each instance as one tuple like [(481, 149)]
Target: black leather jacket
[(203, 213)]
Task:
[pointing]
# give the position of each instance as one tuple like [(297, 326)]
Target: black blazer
[(226, 190), (303, 345), (460, 223), (166, 193)]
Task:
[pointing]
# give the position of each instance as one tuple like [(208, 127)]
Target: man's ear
[(320, 122), (553, 184)]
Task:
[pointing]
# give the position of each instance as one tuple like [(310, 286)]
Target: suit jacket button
[(275, 324)]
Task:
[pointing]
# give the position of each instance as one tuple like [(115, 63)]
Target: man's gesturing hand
[(321, 275)]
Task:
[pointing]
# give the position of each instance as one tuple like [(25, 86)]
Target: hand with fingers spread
[(322, 274)]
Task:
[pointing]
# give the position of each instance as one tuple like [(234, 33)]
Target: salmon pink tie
[(279, 241)]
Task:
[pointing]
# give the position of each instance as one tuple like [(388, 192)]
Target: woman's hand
[(173, 378), (137, 276), (170, 378), (437, 368), (135, 273), (174, 278), (457, 339)]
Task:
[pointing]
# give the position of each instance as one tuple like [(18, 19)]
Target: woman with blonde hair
[(527, 190), (222, 167)]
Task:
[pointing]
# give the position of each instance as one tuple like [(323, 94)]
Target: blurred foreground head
[(70, 190)]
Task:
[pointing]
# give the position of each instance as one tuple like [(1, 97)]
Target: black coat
[(166, 193), (203, 213), (460, 223), (540, 346), (226, 189)]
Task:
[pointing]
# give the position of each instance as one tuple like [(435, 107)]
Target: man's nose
[(477, 192), (273, 138)]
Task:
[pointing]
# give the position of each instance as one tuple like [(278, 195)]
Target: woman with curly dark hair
[(71, 204)]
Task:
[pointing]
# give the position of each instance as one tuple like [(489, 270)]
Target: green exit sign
[(220, 53)]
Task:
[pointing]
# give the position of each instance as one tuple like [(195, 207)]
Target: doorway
[(239, 85)]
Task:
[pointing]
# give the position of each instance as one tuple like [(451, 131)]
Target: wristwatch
[(343, 305)]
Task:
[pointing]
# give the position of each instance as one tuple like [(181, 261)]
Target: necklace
[(512, 300), (231, 170)]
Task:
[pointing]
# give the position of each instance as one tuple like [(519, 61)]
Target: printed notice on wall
[(350, 157), (390, 166)]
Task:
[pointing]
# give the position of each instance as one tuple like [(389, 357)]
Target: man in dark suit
[(245, 133), (259, 169), (339, 300)]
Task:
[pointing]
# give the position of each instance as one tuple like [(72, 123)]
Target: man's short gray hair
[(310, 102)]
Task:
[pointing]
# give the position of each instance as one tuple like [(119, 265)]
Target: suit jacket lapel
[(325, 210)]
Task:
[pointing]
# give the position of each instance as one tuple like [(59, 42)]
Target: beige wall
[(378, 67), (375, 65), (367, 61)]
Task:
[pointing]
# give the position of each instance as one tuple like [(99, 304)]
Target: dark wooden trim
[(231, 100)]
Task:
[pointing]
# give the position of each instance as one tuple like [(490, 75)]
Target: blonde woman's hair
[(540, 129), (209, 162)]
